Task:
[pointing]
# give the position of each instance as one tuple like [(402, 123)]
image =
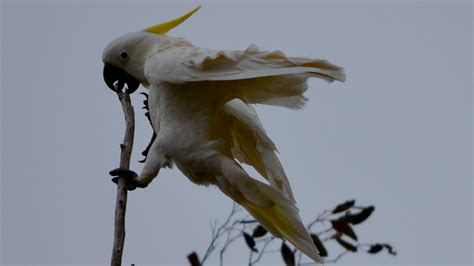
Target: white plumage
[(200, 106)]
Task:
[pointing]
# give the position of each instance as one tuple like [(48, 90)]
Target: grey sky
[(396, 134)]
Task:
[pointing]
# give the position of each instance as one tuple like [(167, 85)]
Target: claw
[(129, 185), (129, 175), (122, 172)]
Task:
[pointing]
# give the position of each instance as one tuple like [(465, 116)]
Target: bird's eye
[(124, 55)]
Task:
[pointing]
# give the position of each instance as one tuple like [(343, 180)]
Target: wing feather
[(254, 147), (192, 64), (253, 75)]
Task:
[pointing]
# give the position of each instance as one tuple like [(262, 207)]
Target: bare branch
[(262, 250), (227, 243), (321, 218), (125, 155), (338, 257), (235, 227), (220, 231)]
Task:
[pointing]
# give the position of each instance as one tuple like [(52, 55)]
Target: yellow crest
[(163, 28)]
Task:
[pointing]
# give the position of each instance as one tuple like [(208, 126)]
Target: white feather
[(199, 106)]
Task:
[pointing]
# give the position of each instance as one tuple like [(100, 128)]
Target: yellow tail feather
[(283, 221)]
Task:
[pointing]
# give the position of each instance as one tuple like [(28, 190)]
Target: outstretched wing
[(251, 145), (254, 75), (190, 64)]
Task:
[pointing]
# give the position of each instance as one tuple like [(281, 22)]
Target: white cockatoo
[(200, 104)]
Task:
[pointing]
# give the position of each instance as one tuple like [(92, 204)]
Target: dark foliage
[(361, 216), (344, 206), (341, 219), (250, 241), (287, 254), (343, 227), (317, 242), (374, 249), (346, 245), (259, 231)]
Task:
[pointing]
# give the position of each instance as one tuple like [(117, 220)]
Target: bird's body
[(182, 120), (200, 108)]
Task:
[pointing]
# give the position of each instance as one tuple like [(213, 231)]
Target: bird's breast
[(183, 116)]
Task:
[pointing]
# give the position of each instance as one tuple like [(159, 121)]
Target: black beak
[(113, 74)]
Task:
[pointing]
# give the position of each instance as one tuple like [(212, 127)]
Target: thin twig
[(262, 251), (125, 155), (299, 254), (233, 227), (247, 221), (335, 260), (217, 233), (320, 233), (338, 257), (229, 241), (250, 257), (321, 218)]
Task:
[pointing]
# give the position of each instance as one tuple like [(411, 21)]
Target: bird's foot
[(130, 177)]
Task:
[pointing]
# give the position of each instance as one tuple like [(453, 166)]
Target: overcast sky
[(396, 134)]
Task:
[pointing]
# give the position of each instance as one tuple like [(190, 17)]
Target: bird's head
[(124, 58)]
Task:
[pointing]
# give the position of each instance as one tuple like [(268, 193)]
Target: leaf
[(389, 249), (317, 242), (287, 255), (247, 221), (342, 226), (361, 216), (374, 249), (344, 206), (259, 231), (346, 245), (250, 242)]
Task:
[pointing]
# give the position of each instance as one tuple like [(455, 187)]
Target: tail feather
[(283, 221), (269, 206)]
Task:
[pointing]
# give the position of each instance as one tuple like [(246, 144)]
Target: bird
[(201, 109)]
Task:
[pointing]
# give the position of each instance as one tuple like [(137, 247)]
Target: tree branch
[(262, 250), (234, 228), (125, 155), (216, 233)]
